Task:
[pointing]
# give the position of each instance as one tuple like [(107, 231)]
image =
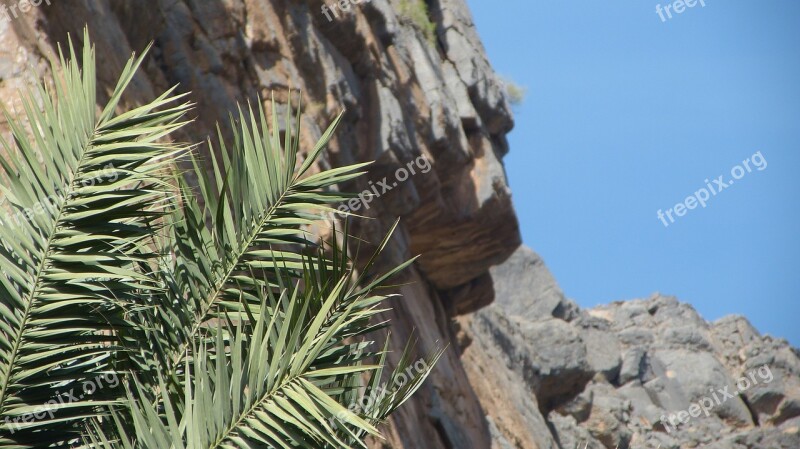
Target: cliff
[(532, 370), (646, 373), (407, 94)]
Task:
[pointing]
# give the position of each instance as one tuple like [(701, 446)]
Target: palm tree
[(139, 309)]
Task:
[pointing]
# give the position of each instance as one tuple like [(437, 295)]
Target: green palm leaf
[(219, 319), (259, 199), (282, 377), (84, 191)]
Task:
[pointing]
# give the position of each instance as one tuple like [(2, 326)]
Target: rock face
[(531, 370), (639, 373), (425, 102)]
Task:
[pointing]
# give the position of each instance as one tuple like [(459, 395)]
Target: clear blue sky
[(626, 115)]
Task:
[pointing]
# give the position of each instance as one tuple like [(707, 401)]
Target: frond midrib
[(223, 280), (9, 371), (258, 403)]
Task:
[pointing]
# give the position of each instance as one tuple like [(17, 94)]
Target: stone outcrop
[(633, 374), (526, 367)]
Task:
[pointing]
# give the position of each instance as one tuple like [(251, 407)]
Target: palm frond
[(258, 200), (221, 320), (85, 192), (280, 377)]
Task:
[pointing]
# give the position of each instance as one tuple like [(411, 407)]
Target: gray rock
[(615, 375), (525, 288), (632, 365)]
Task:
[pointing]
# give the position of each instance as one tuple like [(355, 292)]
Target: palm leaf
[(258, 199), (278, 377), (72, 268), (227, 325)]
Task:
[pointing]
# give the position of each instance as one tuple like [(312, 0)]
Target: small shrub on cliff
[(416, 12), (138, 310), (514, 92)]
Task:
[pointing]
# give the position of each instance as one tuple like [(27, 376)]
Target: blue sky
[(626, 115)]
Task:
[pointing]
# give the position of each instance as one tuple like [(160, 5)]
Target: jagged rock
[(525, 288), (549, 355), (571, 435), (510, 405), (613, 376), (602, 347), (632, 364)]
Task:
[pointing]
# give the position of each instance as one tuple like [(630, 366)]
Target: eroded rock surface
[(639, 373)]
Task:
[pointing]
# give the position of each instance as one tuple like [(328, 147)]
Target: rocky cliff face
[(637, 374), (412, 85), (530, 371)]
